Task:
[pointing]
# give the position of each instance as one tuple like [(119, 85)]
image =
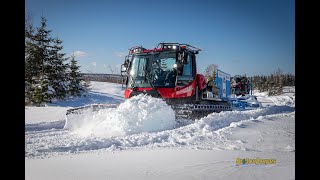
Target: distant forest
[(273, 83)]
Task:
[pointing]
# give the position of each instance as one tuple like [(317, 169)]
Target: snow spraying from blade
[(138, 114)]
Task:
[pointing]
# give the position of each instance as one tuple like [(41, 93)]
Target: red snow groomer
[(169, 71)]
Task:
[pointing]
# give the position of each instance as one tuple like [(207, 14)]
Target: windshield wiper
[(132, 81), (147, 76)]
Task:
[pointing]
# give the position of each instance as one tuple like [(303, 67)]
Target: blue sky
[(252, 37)]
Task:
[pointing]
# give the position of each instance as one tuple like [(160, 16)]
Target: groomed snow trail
[(112, 130)]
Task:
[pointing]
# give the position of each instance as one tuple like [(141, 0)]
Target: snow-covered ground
[(138, 140)]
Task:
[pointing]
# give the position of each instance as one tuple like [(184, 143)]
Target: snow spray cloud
[(138, 114)]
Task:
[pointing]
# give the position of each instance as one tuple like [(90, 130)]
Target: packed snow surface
[(139, 139), (141, 121), (201, 134)]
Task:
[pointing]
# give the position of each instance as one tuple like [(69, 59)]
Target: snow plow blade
[(76, 113), (92, 107)]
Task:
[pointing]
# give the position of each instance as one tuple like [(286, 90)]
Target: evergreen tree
[(45, 68), (29, 65), (38, 60), (57, 69), (40, 91), (75, 78)]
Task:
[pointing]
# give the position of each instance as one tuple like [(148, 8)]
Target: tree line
[(49, 74), (273, 83)]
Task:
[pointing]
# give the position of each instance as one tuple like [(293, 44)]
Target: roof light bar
[(136, 49), (164, 46), (177, 46)]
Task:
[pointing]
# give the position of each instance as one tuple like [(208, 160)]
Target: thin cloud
[(94, 64), (80, 54), (120, 54)]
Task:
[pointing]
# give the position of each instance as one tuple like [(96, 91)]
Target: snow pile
[(221, 120), (260, 94), (138, 114), (283, 100), (280, 100)]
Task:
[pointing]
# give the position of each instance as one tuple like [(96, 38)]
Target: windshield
[(164, 70), (137, 73), (153, 70)]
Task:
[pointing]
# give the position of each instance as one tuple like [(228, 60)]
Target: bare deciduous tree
[(210, 73), (111, 69)]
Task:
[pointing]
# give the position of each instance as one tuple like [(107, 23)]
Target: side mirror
[(183, 57), (126, 63), (123, 69), (180, 57)]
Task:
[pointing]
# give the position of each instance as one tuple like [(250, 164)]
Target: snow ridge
[(202, 132)]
